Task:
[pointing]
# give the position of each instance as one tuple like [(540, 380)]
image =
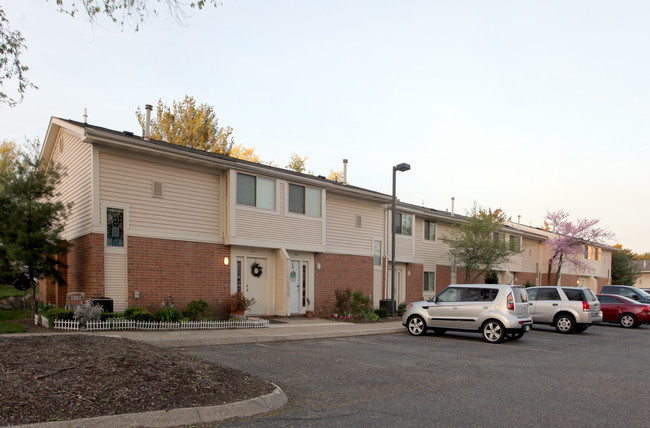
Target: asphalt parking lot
[(596, 378)]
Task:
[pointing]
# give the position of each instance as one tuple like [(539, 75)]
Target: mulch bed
[(63, 377)]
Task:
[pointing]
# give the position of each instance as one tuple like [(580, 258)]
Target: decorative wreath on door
[(256, 270)]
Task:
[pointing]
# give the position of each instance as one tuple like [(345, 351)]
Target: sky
[(530, 107)]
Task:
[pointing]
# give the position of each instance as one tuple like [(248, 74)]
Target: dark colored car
[(627, 291), (627, 312)]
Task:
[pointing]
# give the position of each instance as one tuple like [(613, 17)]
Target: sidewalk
[(278, 331)]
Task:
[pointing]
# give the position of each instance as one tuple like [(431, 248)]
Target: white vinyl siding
[(190, 209), (76, 185)]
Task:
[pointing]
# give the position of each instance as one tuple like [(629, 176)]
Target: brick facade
[(443, 277), (340, 271), (187, 271), (84, 271)]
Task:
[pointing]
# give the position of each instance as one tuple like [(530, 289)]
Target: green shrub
[(138, 313), (167, 314), (55, 314), (401, 309), (371, 316), (109, 315), (382, 312), (197, 310), (529, 284)]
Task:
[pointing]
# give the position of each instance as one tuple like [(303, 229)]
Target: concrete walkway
[(278, 331)]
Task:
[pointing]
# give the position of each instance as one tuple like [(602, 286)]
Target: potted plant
[(239, 303)]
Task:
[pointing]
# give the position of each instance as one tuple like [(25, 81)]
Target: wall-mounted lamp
[(226, 261)]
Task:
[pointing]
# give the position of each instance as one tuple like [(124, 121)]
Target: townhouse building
[(151, 220)]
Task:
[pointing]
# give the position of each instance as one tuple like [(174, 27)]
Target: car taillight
[(585, 306), (511, 302), (646, 309)]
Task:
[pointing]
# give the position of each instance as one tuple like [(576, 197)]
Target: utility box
[(385, 304), (104, 302)]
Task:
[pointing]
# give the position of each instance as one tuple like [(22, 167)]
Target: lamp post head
[(402, 167)]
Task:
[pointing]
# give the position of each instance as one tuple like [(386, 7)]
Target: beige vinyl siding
[(281, 229), (281, 279), (116, 282), (189, 209), (431, 253), (76, 184), (343, 237), (278, 227)]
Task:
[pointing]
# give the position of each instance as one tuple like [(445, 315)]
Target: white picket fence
[(124, 324)]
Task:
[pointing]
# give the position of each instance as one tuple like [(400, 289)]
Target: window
[(377, 253), (547, 294), (451, 294), (592, 253), (429, 230), (430, 281), (255, 191), (115, 227), (403, 224), (304, 200), (481, 294), (515, 242)]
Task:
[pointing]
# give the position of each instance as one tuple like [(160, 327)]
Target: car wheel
[(493, 331), (564, 324), (515, 336), (416, 325), (627, 321), (439, 331)]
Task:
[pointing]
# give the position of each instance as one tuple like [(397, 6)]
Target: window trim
[(401, 226), (105, 205), (435, 230)]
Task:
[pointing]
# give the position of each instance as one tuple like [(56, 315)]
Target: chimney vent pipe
[(147, 121), (453, 198), (344, 179)]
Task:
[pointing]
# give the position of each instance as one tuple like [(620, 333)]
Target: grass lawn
[(6, 326), (10, 291)]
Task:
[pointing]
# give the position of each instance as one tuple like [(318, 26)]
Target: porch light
[(226, 261)]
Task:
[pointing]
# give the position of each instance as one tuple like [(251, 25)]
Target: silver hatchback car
[(496, 311), (568, 309)]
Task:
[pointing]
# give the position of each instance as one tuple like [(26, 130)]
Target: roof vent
[(127, 133)]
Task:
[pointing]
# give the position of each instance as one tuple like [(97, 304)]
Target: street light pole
[(401, 167)]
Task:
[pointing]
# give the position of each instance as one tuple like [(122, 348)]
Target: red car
[(627, 312)]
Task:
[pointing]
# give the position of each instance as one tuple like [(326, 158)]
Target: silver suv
[(496, 311), (569, 309)]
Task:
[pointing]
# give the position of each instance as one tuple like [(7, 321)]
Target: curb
[(176, 417)]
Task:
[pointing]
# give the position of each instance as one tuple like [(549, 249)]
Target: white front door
[(299, 300), (251, 281), (400, 284)]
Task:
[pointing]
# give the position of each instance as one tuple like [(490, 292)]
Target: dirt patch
[(63, 377)]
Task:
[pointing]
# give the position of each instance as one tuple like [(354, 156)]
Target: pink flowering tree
[(567, 246)]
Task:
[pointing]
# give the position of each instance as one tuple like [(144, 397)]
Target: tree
[(335, 176), (9, 156), (120, 12), (569, 241), (297, 163), (189, 125), (624, 270), (477, 245), (32, 221), (245, 153)]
